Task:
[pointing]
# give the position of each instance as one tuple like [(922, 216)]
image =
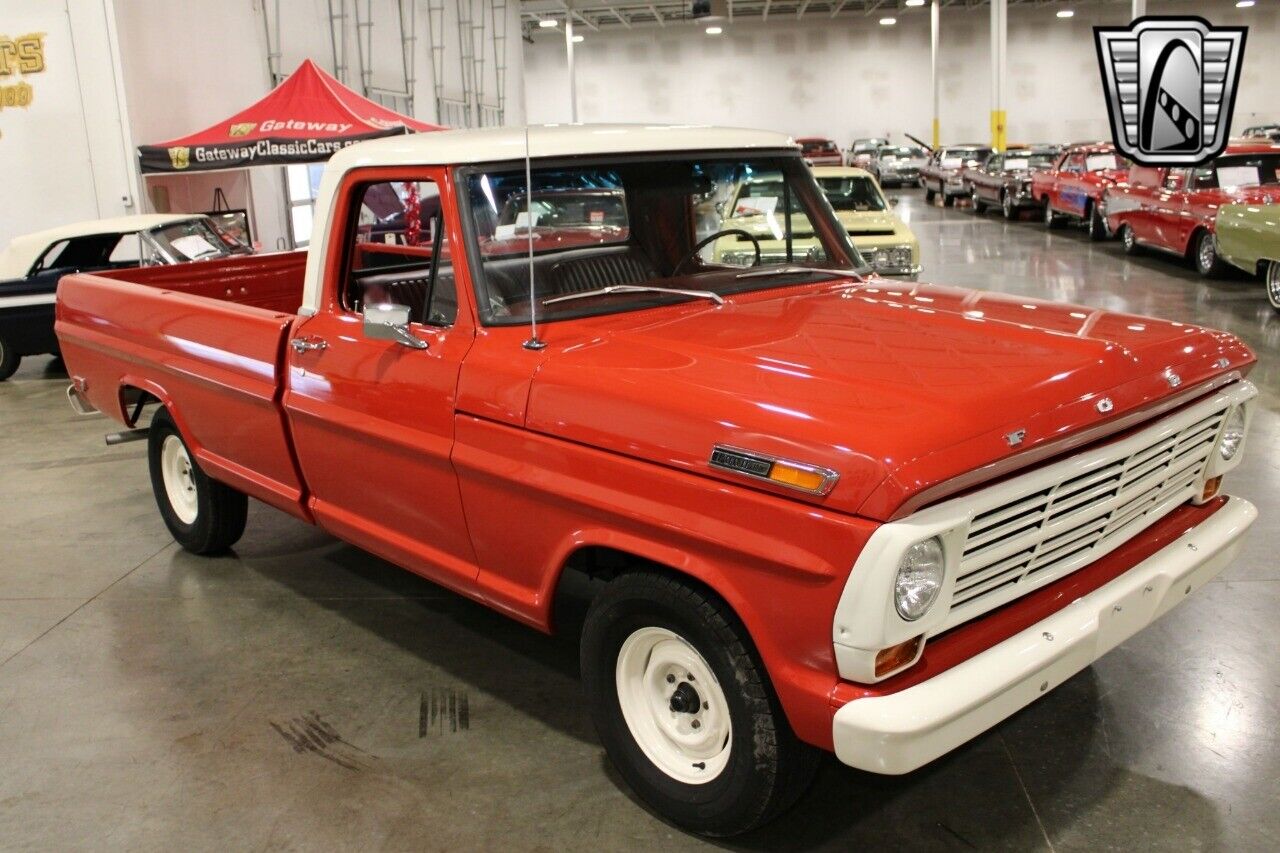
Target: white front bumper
[(902, 731)]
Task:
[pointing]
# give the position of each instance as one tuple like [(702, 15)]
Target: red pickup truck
[(1175, 210), (1073, 187), (787, 506)]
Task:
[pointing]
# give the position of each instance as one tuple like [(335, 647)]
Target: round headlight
[(1232, 435), (919, 579)]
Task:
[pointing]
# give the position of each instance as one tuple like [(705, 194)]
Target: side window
[(1075, 163), (399, 254), (994, 162)]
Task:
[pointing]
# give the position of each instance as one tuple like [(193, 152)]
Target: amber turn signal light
[(896, 657), (1211, 488), (800, 478)]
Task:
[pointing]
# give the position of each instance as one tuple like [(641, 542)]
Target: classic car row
[(31, 266), (639, 385), (1224, 214)]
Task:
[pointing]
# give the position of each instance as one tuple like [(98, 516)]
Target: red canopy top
[(305, 119)]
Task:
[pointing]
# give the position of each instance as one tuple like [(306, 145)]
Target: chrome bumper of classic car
[(900, 732), (902, 175)]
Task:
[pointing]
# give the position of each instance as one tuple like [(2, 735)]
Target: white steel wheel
[(1273, 284), (179, 481), (673, 705)]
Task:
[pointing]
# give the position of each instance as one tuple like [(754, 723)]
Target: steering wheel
[(701, 244)]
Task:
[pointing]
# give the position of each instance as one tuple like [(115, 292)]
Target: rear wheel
[(203, 515), (1273, 284), (1208, 264), (684, 708), (1128, 239), (948, 200), (979, 206), (9, 360), (929, 194)]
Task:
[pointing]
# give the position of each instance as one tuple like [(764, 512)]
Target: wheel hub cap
[(179, 479), (673, 705)]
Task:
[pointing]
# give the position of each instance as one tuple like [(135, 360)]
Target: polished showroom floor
[(302, 695)]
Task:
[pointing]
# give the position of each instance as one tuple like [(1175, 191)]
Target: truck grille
[(1050, 530)]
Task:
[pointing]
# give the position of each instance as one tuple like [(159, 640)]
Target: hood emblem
[(1172, 378), (1105, 405), (1016, 437)]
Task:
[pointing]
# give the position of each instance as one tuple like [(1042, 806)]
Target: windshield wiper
[(858, 274), (635, 288)]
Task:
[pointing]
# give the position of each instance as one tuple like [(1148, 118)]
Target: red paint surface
[(1072, 192)]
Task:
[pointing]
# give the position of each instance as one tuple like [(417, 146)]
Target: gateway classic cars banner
[(259, 152)]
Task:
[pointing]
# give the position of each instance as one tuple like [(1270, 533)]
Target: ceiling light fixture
[(1066, 13), (547, 23), (888, 22), (1244, 4), (714, 31), (577, 39), (915, 2)]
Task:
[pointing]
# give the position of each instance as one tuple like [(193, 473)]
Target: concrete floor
[(303, 695)]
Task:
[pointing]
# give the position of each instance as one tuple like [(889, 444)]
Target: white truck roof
[(22, 251), (454, 147)]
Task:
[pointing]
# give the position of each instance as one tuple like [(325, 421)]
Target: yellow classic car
[(881, 238)]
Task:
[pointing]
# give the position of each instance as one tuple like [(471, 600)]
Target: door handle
[(301, 345)]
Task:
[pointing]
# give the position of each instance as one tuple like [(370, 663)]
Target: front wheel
[(1097, 224), (979, 206), (1128, 239), (1050, 218), (203, 515), (9, 360), (1273, 284), (929, 194), (1208, 264), (1007, 207), (948, 200), (684, 708)]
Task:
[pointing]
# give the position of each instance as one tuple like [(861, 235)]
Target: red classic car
[(1072, 188), (1175, 210), (787, 506), (819, 151)]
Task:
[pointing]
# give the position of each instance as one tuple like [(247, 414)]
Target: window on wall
[(302, 183)]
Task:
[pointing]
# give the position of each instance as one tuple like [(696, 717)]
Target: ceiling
[(624, 14)]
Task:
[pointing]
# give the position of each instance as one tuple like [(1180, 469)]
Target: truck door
[(372, 415), (1167, 208), (1070, 186)]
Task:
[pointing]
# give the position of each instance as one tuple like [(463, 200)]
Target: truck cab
[(1073, 187)]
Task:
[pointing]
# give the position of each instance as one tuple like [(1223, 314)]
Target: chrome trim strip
[(829, 477)]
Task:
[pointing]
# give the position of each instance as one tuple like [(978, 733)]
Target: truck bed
[(208, 337)]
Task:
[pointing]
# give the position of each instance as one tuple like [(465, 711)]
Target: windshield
[(904, 152), (192, 240), (813, 146), (1021, 161), (954, 158), (853, 193), (1250, 170), (694, 223), (1104, 162)]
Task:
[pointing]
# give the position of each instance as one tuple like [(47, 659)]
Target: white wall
[(65, 156), (850, 77)]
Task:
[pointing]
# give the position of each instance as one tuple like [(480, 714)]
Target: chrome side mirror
[(388, 322)]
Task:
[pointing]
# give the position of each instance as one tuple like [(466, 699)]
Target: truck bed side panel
[(214, 363)]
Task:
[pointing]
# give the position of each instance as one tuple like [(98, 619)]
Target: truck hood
[(1264, 194), (898, 389)]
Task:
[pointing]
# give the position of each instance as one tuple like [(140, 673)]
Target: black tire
[(767, 768), (929, 194), (1128, 239), (1051, 219), (948, 200), (1204, 254), (1007, 206), (9, 360), (220, 511), (1096, 224), (979, 206), (1272, 282)]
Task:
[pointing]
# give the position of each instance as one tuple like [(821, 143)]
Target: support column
[(933, 71), (573, 77), (1139, 8), (999, 43)]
